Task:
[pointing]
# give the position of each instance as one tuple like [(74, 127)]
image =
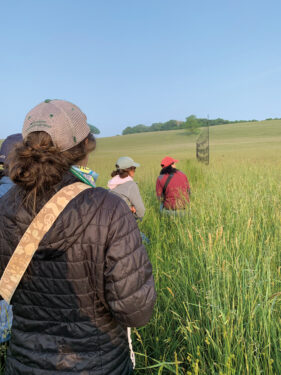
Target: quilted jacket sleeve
[(129, 285)]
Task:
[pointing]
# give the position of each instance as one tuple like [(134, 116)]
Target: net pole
[(208, 139)]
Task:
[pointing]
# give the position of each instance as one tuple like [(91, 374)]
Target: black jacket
[(89, 279)]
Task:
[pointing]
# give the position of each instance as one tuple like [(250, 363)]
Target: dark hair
[(2, 170), (123, 173), (37, 165), (168, 170)]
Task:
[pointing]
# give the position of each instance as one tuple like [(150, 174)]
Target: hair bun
[(37, 165)]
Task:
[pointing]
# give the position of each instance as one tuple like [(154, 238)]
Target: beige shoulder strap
[(29, 242)]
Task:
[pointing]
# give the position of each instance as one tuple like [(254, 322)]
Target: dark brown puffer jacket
[(89, 279)]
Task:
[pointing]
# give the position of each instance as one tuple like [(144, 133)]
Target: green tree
[(170, 125), (192, 124), (94, 129), (128, 130), (156, 126), (135, 129), (141, 128)]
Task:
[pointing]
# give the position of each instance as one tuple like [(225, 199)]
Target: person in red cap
[(172, 187)]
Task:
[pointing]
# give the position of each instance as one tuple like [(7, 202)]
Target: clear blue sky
[(126, 62)]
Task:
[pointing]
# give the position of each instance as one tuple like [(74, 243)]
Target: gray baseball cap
[(125, 162), (63, 121)]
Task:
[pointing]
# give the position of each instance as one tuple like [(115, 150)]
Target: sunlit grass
[(217, 270)]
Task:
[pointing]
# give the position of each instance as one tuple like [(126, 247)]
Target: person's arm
[(129, 285), (136, 200), (159, 189)]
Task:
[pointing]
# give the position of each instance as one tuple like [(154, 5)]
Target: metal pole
[(208, 143)]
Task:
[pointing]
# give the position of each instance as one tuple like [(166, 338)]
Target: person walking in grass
[(90, 277), (6, 311), (172, 188), (6, 147), (123, 184)]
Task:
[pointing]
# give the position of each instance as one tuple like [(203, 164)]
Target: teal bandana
[(85, 175)]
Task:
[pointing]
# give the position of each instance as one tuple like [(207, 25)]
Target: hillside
[(260, 140)]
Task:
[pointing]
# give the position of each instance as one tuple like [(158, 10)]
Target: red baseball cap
[(168, 161)]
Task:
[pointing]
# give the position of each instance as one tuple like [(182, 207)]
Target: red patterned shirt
[(177, 191)]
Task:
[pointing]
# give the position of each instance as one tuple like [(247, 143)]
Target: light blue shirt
[(6, 312), (5, 185)]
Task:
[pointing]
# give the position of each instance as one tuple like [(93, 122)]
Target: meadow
[(217, 270)]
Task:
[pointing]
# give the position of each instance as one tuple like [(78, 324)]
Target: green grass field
[(217, 270)]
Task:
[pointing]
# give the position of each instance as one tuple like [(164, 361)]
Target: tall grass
[(217, 272)]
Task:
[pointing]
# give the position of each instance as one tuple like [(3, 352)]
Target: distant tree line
[(191, 123), (157, 126)]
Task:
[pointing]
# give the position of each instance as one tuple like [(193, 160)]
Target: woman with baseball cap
[(172, 187), (123, 184), (90, 276)]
